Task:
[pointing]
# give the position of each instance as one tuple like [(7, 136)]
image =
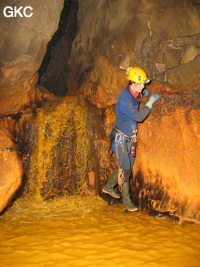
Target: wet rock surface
[(167, 164), (64, 148), (161, 37), (22, 48), (11, 168)]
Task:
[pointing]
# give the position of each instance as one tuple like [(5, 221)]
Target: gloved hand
[(145, 92), (153, 98)]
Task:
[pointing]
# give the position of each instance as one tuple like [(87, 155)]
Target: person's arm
[(129, 109)]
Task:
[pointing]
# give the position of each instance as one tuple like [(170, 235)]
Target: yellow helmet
[(137, 75)]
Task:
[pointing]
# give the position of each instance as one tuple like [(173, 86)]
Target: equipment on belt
[(121, 178), (119, 140)]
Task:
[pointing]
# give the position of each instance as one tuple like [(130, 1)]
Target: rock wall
[(160, 36), (167, 169), (22, 48), (64, 149), (54, 70), (11, 170)]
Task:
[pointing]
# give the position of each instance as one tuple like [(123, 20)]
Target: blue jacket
[(127, 113)]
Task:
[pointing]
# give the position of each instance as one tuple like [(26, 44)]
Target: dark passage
[(54, 68)]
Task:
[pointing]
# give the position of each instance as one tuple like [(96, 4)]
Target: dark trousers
[(121, 146)]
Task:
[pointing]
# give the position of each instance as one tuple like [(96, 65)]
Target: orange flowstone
[(11, 168)]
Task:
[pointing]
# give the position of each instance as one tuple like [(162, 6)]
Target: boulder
[(167, 166), (11, 168)]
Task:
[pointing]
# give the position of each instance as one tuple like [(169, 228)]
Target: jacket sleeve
[(130, 109)]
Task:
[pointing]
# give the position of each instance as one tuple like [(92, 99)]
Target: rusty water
[(85, 231)]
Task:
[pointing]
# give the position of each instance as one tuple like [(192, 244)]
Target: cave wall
[(65, 149), (22, 48), (11, 170), (23, 45), (162, 37), (54, 69), (167, 169)]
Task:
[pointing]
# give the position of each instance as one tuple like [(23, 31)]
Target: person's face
[(138, 87)]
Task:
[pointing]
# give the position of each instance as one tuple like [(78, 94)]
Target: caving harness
[(120, 138)]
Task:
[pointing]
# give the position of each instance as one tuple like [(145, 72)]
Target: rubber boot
[(126, 198), (109, 187)]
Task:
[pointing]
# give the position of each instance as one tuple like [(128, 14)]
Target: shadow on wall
[(54, 68)]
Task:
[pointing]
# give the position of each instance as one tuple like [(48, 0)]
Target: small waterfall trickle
[(64, 146)]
